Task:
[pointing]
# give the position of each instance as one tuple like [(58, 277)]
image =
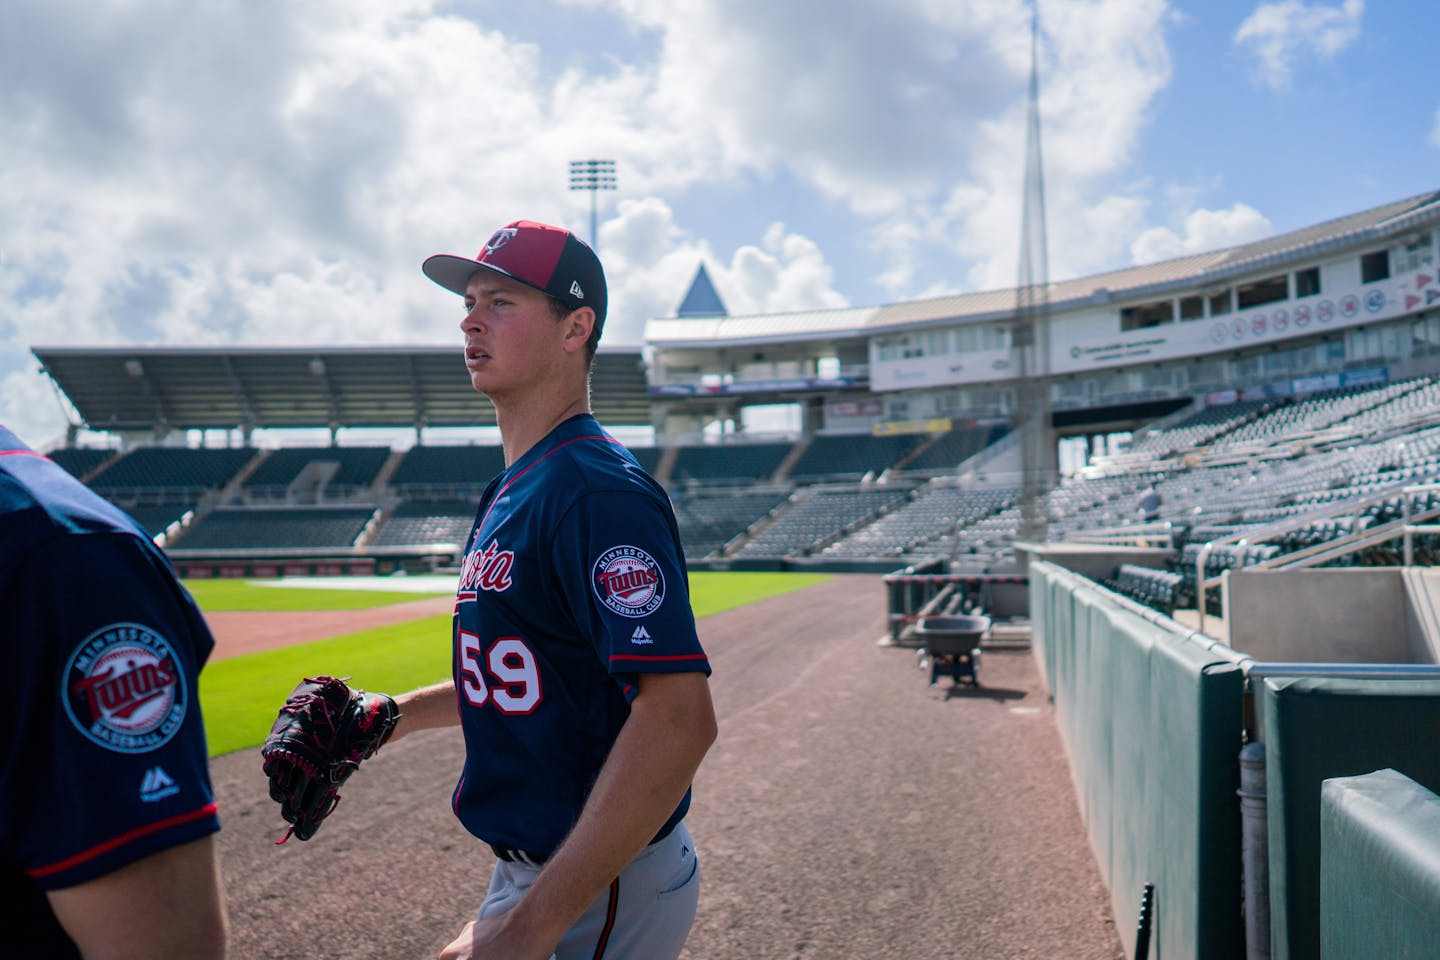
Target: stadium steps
[(381, 486), (764, 523), (372, 527), (666, 464), (99, 468), (913, 453), (230, 493), (790, 459)]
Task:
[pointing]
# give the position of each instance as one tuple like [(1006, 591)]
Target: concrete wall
[(1364, 615), (1096, 562), (1422, 590)]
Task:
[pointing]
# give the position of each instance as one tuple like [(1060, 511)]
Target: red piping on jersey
[(23, 453), (120, 841), (511, 482), (673, 659), (609, 919)]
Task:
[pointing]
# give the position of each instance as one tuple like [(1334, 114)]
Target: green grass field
[(225, 596), (240, 696)]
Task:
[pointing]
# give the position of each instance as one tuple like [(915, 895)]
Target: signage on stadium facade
[(791, 385), (1087, 339), (895, 428)]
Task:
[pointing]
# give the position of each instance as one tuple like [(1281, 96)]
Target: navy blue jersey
[(102, 752), (573, 585)]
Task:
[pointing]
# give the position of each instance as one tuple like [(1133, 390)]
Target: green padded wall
[(1151, 719), (1380, 868), (1317, 729)]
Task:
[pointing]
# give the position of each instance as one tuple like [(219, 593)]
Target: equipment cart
[(951, 645)]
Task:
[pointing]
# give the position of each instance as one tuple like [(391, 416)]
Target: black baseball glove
[(322, 733)]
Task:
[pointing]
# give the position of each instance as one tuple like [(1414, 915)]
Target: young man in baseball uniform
[(582, 688)]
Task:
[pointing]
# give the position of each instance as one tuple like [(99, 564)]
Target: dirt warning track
[(848, 810), (247, 632)]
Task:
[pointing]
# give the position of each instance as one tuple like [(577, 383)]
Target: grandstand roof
[(184, 388), (1154, 279)]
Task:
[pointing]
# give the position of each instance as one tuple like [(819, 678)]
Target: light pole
[(592, 176)]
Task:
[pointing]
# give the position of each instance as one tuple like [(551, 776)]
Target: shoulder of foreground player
[(39, 499), (591, 462)]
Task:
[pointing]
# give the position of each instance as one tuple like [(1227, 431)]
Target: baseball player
[(581, 686), (106, 809)]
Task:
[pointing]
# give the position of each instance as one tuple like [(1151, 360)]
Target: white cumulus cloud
[(1201, 230), (1280, 34), (271, 172)]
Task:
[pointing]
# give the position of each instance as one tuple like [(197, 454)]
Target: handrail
[(1137, 535), (1410, 526), (1354, 541)]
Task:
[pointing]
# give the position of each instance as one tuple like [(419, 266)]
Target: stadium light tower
[(1030, 331), (592, 176)]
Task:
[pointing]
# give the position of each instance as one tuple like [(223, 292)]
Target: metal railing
[(1411, 526), (1159, 535), (918, 591)]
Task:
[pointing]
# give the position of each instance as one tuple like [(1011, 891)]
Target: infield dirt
[(848, 810)]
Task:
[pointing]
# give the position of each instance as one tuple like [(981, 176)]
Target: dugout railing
[(921, 590)]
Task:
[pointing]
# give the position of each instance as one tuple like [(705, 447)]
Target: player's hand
[(492, 938)]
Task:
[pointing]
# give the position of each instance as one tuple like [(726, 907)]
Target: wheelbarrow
[(950, 644)]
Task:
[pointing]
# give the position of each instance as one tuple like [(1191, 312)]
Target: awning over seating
[(219, 388)]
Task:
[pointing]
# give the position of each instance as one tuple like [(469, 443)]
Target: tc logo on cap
[(502, 237)]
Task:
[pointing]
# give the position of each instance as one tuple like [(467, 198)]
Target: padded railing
[(1321, 727), (1150, 715), (1380, 868)]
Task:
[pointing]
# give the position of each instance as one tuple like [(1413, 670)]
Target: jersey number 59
[(510, 663)]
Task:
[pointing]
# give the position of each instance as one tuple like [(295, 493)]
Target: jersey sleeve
[(105, 753), (621, 572)]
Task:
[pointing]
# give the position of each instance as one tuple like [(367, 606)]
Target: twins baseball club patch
[(628, 581), (124, 690)]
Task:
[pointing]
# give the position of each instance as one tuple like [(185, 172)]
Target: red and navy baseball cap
[(551, 259)]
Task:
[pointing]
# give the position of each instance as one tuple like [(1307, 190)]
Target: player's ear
[(578, 325)]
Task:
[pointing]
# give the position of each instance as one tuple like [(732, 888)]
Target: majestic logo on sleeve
[(124, 690), (628, 581)]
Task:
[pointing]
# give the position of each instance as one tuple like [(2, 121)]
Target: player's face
[(512, 340)]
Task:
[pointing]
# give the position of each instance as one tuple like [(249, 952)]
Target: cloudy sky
[(273, 172)]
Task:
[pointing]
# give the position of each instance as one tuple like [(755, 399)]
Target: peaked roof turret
[(702, 300)]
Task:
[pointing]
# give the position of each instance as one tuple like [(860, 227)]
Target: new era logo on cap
[(551, 259)]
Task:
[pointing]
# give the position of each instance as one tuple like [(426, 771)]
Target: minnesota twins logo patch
[(628, 581), (124, 690)]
